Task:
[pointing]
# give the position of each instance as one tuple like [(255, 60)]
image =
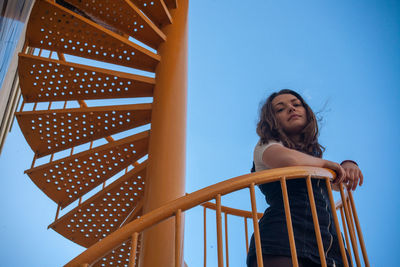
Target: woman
[(288, 133)]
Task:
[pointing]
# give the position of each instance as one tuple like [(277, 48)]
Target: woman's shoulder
[(258, 153), (264, 145)]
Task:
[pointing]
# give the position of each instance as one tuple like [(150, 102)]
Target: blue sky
[(342, 56)]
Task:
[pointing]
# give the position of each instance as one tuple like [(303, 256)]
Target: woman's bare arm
[(277, 156)]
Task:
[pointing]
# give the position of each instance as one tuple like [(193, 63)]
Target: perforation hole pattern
[(52, 131), (120, 256), (123, 17), (57, 30), (48, 80), (66, 180), (98, 218), (154, 10)]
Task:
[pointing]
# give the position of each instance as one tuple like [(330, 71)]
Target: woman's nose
[(291, 108)]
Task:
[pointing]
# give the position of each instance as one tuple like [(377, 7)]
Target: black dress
[(273, 229)]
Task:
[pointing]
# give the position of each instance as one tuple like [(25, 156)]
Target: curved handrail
[(191, 200)]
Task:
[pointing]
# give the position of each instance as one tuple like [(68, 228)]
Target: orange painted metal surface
[(59, 179), (50, 131), (156, 10), (336, 222), (167, 152), (56, 28), (104, 212), (126, 18), (232, 211), (289, 222), (257, 239), (57, 80), (316, 223), (219, 231), (194, 199)]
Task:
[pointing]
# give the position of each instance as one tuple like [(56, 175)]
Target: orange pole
[(246, 235), (257, 238), (359, 232), (350, 226), (336, 221), (226, 240), (350, 211), (345, 233), (178, 237), (219, 232), (316, 223), (166, 164), (205, 236), (289, 222), (132, 257)]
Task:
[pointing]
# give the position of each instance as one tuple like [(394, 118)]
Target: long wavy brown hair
[(268, 127)]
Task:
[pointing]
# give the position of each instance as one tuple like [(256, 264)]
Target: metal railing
[(176, 207)]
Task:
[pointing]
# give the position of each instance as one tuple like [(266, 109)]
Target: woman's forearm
[(278, 156)]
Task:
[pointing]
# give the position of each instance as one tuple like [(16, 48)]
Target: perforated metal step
[(124, 16), (50, 131), (156, 10), (56, 28), (67, 179), (103, 213), (43, 79)]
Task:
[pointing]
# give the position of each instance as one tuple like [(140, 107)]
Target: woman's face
[(290, 113)]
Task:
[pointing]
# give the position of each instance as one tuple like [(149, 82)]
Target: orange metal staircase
[(66, 113)]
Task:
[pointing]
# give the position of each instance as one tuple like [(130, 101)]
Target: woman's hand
[(354, 175), (336, 167)]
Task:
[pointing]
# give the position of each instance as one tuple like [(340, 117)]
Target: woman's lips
[(294, 117)]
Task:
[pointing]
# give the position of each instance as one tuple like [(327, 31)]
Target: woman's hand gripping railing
[(176, 207)]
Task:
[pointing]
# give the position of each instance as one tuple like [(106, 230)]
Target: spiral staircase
[(81, 59), (104, 106)]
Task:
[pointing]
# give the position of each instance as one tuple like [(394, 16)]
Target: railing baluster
[(246, 235), (335, 219), (345, 232), (219, 232), (350, 226), (178, 237), (359, 232), (350, 212), (132, 256), (316, 223), (205, 236), (289, 222), (226, 240), (257, 238)]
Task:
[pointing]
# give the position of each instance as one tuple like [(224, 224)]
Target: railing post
[(226, 240), (345, 233), (132, 256), (257, 238), (246, 234), (219, 231), (335, 219), (205, 236), (350, 226), (316, 223), (178, 238), (289, 222), (359, 232)]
